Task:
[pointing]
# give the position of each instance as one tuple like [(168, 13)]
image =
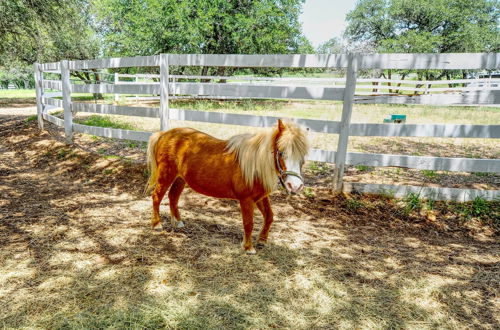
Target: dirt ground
[(76, 251)]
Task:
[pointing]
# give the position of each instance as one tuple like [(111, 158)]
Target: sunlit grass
[(104, 121), (17, 93)]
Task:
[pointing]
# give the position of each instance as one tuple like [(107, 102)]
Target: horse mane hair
[(255, 152)]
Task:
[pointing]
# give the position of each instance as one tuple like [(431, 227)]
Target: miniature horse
[(245, 167)]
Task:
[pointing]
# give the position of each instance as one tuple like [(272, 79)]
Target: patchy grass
[(319, 168), (429, 174), (412, 203), (487, 212), (31, 118), (308, 192), (354, 204), (105, 121), (363, 168)]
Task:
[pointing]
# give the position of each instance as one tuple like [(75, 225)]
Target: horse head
[(290, 146)]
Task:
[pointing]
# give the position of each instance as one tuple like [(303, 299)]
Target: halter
[(282, 174)]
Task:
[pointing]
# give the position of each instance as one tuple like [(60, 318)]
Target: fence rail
[(319, 89), (485, 90)]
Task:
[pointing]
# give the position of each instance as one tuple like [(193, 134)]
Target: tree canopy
[(331, 46), (151, 27), (435, 26), (45, 30)]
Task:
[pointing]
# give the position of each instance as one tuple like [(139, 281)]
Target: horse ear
[(281, 126)]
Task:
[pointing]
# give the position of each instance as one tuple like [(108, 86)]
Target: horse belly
[(210, 186)]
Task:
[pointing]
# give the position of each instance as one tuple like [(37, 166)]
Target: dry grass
[(76, 252)]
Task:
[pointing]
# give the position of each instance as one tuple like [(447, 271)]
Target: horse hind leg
[(164, 182), (173, 197)]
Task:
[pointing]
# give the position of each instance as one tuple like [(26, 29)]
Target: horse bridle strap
[(282, 174)]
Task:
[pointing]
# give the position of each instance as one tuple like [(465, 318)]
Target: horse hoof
[(180, 224), (250, 251), (261, 244)]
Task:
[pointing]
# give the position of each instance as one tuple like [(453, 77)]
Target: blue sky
[(324, 19)]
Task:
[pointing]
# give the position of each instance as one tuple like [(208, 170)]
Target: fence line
[(271, 88), (368, 87)]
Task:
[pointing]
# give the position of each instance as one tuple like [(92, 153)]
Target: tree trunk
[(399, 84), (220, 72), (97, 78), (389, 75), (204, 71)]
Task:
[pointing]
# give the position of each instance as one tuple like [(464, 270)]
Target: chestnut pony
[(246, 168)]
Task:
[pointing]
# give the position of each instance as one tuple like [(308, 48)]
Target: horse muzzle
[(292, 182)]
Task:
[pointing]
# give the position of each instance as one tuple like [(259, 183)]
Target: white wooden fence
[(352, 62), (364, 86)]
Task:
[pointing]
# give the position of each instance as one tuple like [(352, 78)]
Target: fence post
[(117, 96), (39, 93), (66, 93), (164, 76), (340, 155)]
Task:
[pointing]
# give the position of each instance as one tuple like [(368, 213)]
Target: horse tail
[(151, 163)]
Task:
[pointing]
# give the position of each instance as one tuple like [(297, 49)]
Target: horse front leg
[(247, 207), (264, 206)]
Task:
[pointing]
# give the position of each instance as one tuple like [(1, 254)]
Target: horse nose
[(295, 188)]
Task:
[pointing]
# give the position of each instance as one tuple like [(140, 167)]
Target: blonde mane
[(255, 152)]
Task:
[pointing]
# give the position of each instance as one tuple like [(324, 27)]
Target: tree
[(434, 26), (332, 46), (425, 26), (149, 27), (44, 31)]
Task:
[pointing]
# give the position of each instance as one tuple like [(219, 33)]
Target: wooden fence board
[(314, 125), (426, 130), (426, 163), (116, 110), (489, 61), (52, 84), (434, 193), (53, 119), (117, 89), (112, 133), (277, 61), (450, 61), (52, 101), (54, 66), (118, 62), (472, 97), (259, 91)]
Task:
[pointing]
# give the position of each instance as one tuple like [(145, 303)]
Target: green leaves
[(45, 30), (426, 25), (201, 26)]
